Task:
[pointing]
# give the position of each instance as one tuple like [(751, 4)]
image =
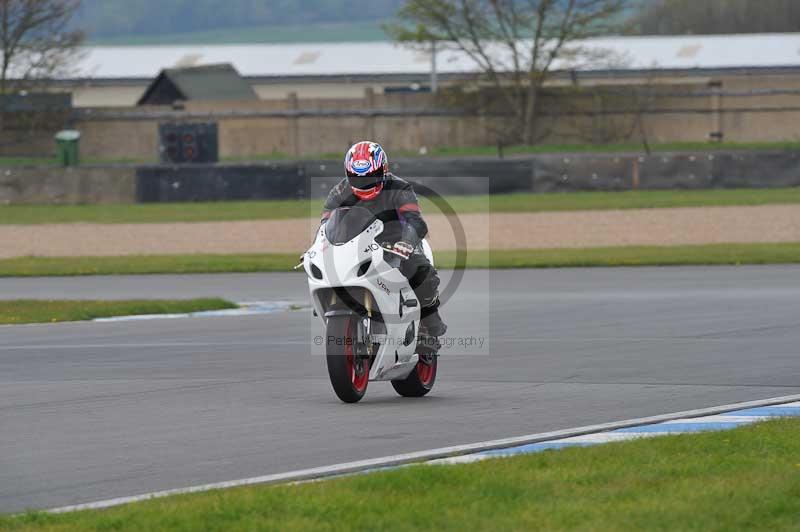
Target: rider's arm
[(414, 228), (334, 200)]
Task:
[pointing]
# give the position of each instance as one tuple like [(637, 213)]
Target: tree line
[(156, 17), (703, 17), (649, 17)]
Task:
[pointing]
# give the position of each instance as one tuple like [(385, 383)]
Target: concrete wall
[(57, 185), (28, 134), (88, 95), (749, 111), (299, 127)]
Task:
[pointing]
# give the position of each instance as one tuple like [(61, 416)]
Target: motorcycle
[(369, 311)]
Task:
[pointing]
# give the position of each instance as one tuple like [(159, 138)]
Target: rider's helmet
[(366, 166)]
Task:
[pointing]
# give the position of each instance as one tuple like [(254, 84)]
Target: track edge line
[(348, 468)]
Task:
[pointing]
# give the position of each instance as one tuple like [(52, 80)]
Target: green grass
[(52, 161), (544, 149), (446, 151), (283, 209), (709, 254), (712, 254), (158, 212), (620, 147), (633, 199), (146, 264), (13, 312), (743, 479), (27, 161)]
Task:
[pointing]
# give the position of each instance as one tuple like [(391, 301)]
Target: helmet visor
[(364, 182)]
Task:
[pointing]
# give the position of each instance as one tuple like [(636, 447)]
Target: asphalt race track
[(93, 411)]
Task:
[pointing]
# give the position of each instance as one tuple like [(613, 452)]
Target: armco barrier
[(211, 182), (745, 170), (545, 173), (676, 171), (73, 185), (280, 180), (315, 178), (556, 173)]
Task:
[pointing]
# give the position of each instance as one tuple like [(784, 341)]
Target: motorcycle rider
[(370, 185)]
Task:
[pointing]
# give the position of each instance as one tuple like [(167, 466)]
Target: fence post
[(369, 104), (716, 111), (294, 124)]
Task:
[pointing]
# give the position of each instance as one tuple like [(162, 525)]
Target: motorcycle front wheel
[(349, 373)]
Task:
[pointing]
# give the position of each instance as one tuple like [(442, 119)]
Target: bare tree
[(515, 43), (616, 114), (36, 39)]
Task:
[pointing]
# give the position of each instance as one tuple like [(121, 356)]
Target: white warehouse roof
[(320, 59)]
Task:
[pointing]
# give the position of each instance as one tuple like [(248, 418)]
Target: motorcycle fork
[(365, 331), (364, 346)]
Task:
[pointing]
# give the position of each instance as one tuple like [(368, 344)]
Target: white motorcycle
[(369, 310)]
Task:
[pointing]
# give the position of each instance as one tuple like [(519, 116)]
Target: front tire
[(348, 372), (420, 381)]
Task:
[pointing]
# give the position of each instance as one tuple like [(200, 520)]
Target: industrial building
[(120, 75)]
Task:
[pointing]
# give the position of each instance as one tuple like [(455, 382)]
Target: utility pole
[(434, 73)]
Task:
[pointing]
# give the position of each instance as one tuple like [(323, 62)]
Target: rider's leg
[(424, 280)]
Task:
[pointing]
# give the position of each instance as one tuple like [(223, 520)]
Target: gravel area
[(661, 227)]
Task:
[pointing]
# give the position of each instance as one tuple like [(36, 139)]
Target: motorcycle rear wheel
[(420, 381), (348, 372)]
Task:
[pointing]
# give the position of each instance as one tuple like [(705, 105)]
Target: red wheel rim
[(359, 376), (425, 372)]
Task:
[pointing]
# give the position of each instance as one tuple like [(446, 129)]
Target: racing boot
[(431, 323)]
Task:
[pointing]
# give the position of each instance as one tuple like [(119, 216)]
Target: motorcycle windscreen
[(346, 223)]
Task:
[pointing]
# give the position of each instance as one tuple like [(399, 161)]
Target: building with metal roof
[(206, 82), (119, 75)]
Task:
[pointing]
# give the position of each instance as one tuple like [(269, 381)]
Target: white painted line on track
[(442, 455), (794, 404), (148, 345), (607, 437), (254, 308), (246, 308), (720, 419), (461, 459)]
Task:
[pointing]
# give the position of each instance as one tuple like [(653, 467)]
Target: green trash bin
[(67, 142)]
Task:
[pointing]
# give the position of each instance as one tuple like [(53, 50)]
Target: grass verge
[(323, 32), (620, 147), (709, 254), (712, 254), (285, 209), (19, 311), (743, 479), (546, 149)]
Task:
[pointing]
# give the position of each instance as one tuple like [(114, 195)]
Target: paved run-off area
[(576, 229), (92, 411)]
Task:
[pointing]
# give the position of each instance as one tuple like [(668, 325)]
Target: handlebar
[(394, 259)]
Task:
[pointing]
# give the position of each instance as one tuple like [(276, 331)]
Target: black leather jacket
[(396, 206)]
